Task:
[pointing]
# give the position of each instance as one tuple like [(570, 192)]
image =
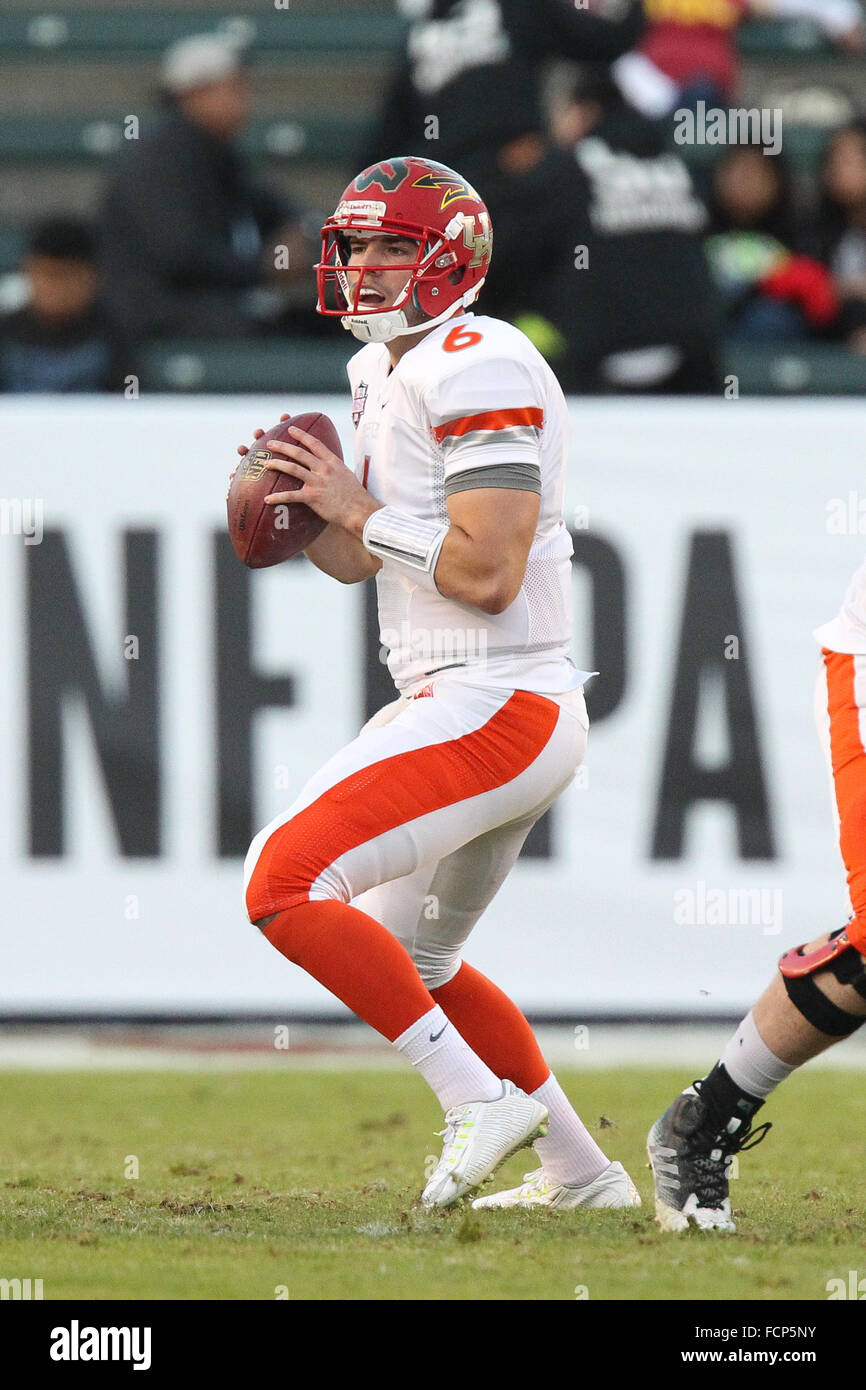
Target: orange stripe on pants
[(849, 776), (393, 792)]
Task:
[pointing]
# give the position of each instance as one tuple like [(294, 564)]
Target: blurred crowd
[(627, 267)]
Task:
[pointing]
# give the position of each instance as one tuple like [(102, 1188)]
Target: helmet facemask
[(427, 275)]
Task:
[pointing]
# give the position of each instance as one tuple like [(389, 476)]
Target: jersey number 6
[(460, 338)]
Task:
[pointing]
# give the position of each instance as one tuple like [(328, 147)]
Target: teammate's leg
[(692, 1145), (818, 998)]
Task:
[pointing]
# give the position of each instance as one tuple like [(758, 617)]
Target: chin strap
[(382, 327)]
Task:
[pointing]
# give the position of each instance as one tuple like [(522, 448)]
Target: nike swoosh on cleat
[(434, 1036)]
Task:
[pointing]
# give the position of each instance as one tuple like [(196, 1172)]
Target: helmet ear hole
[(457, 275)]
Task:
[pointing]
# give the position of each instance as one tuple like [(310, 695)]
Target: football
[(264, 535)]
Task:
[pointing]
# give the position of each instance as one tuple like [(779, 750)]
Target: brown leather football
[(266, 535)]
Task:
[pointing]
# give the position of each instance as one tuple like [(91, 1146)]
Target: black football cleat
[(690, 1150)]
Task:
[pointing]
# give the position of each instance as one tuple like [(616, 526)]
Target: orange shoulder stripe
[(492, 420)]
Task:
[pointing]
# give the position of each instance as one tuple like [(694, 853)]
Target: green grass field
[(255, 1185)]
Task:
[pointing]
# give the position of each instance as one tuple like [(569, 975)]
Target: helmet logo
[(378, 174), (479, 243), (452, 185)]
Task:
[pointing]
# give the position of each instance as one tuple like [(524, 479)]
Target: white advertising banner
[(159, 703)]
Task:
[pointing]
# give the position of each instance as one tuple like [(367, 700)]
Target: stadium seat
[(269, 31), (43, 138), (783, 39), (801, 369), (281, 365)]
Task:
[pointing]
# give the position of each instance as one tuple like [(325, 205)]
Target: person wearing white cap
[(188, 240), (205, 75)]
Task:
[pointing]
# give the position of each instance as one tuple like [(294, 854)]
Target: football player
[(375, 876), (819, 995)]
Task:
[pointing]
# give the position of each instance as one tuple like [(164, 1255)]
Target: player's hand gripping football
[(328, 486)]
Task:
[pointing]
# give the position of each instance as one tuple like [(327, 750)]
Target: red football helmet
[(425, 202)]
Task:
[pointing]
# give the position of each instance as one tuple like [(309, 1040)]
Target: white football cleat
[(612, 1188), (478, 1138)]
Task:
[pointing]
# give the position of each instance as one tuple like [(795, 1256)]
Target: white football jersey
[(847, 632), (471, 405)]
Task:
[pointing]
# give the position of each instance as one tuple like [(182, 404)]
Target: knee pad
[(837, 958)]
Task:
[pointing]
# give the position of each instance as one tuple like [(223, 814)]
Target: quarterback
[(455, 505), (819, 995)]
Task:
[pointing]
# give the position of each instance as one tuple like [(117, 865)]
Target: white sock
[(750, 1064), (447, 1062), (568, 1152)]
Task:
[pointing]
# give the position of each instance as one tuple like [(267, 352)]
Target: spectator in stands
[(841, 233), (188, 240), (467, 91), (689, 51), (60, 340), (772, 291), (632, 298), (470, 71)]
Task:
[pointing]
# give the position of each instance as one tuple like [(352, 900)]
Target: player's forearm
[(483, 572), (478, 558), (342, 556), (472, 573), (482, 560)]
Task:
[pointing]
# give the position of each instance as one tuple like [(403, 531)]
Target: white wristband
[(395, 535)]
